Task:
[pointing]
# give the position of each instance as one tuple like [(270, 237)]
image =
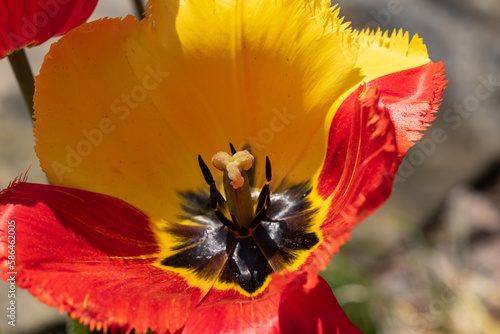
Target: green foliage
[(351, 285), (73, 326)]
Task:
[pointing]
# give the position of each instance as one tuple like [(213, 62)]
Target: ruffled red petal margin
[(71, 249), (411, 97), (25, 22), (361, 163), (294, 310)]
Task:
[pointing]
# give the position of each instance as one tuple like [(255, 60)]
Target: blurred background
[(429, 260)]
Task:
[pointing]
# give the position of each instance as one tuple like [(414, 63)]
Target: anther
[(268, 170), (215, 195), (264, 200), (233, 151), (206, 172)]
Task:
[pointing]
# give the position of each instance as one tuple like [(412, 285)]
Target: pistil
[(245, 215), (236, 185)]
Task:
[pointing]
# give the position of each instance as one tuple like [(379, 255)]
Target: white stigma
[(234, 165)]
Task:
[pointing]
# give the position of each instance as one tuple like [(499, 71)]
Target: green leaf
[(75, 327)]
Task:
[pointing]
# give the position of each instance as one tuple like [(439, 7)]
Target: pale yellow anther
[(240, 161)]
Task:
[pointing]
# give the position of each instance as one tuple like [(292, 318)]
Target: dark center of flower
[(236, 240)]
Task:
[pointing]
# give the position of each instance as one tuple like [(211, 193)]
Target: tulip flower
[(208, 161)]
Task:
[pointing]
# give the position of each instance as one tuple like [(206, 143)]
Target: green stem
[(139, 9), (24, 76)]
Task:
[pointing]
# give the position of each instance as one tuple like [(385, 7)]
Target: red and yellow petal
[(296, 309), (360, 165), (27, 22), (411, 86), (90, 255)]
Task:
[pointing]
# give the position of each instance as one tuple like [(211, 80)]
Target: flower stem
[(24, 76), (139, 9)]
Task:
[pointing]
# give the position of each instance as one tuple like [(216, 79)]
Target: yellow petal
[(125, 107), (96, 127), (256, 73), (380, 54)]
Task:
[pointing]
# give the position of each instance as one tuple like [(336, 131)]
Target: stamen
[(235, 221), (264, 193), (268, 170), (228, 223), (206, 172), (215, 195), (257, 219), (233, 151), (217, 199), (263, 202)]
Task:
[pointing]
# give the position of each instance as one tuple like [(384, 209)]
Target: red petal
[(368, 139), (359, 170), (71, 249), (25, 22), (411, 97), (81, 12), (293, 310)]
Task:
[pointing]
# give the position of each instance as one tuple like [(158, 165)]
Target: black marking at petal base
[(288, 200), (213, 252), (195, 204), (204, 253), (247, 266), (287, 226)]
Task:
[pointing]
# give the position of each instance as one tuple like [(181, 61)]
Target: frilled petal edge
[(412, 97), (90, 255)]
